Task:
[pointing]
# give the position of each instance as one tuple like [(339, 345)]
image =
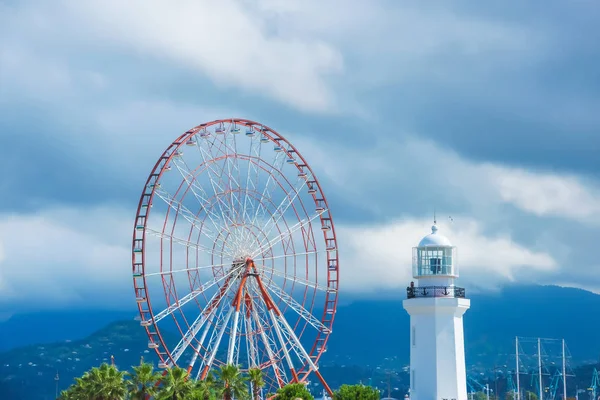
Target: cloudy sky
[(485, 112)]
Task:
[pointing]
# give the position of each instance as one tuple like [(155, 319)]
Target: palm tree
[(105, 383), (175, 385), (142, 382), (256, 381), (205, 389), (232, 383)]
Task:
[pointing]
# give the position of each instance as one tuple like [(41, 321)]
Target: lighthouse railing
[(434, 291)]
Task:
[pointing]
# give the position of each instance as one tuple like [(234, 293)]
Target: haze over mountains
[(368, 331), (369, 337)]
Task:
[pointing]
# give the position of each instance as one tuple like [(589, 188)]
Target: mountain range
[(369, 337)]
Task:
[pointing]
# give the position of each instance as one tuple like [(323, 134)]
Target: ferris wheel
[(234, 255)]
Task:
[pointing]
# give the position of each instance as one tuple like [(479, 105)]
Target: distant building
[(436, 307)]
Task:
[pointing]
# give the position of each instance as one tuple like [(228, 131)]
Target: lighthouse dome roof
[(434, 239)]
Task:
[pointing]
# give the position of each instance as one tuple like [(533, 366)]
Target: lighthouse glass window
[(435, 261)]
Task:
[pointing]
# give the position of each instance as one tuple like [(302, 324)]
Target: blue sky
[(485, 112)]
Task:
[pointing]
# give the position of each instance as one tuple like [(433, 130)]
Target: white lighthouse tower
[(436, 307)]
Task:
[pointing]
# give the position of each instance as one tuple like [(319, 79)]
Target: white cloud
[(64, 256), (69, 256), (413, 166), (379, 257), (293, 51), (545, 194), (501, 213), (229, 41), (286, 50)]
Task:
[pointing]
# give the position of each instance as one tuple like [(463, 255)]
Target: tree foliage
[(294, 391), (142, 381), (530, 396), (256, 378), (103, 383), (231, 383), (356, 392)]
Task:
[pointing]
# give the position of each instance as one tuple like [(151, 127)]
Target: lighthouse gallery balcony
[(435, 291)]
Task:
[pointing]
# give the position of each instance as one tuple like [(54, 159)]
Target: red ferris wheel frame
[(149, 318)]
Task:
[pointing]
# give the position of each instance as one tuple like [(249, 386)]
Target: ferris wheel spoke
[(287, 234), (218, 317), (265, 191), (231, 161), (294, 347), (189, 297), (217, 342), (279, 211), (184, 242), (162, 273), (296, 341), (251, 338), (277, 316), (178, 207), (283, 344), (199, 322), (250, 163), (256, 169), (306, 253), (233, 337), (239, 341), (234, 218), (297, 279), (200, 343), (297, 307), (196, 189), (209, 163)]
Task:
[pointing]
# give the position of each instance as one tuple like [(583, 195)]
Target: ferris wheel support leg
[(202, 338), (252, 352), (206, 316), (325, 385), (237, 302), (288, 358), (214, 352), (236, 318), (270, 353), (273, 309)]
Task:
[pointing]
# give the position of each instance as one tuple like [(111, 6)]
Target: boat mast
[(564, 370), (540, 368), (518, 392)]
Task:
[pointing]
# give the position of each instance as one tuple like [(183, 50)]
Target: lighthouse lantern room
[(436, 307)]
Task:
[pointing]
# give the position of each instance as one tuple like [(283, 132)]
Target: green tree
[(530, 396), (479, 396), (205, 389), (142, 381), (356, 392), (175, 385), (257, 381), (103, 383), (510, 395), (294, 391), (231, 383), (107, 383)]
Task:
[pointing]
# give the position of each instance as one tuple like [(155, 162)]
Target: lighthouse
[(436, 308)]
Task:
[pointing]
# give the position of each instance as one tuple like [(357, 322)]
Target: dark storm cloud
[(430, 95)]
